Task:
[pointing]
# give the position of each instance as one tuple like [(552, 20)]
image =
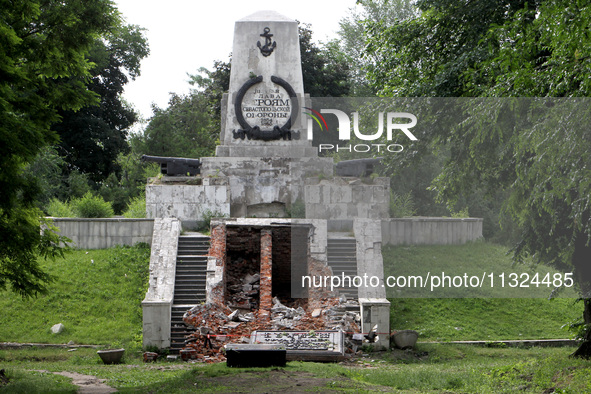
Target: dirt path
[(282, 381), (87, 384)]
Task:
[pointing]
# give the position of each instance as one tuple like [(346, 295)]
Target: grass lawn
[(427, 369), (458, 318), (96, 295)]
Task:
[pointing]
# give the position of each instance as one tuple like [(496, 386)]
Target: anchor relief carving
[(268, 48)]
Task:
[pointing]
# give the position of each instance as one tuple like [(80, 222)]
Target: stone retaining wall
[(431, 231), (103, 233)]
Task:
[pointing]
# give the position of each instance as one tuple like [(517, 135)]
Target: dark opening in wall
[(290, 257), (243, 265)]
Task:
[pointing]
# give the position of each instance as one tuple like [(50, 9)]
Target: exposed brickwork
[(259, 265), (266, 294), (279, 254)]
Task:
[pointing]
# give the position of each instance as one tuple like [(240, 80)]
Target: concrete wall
[(430, 231), (105, 233), (345, 198), (263, 180), (157, 304), (187, 202)]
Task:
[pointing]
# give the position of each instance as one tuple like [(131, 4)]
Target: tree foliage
[(353, 38), (43, 70), (325, 70), (184, 129), (537, 150), (91, 138)]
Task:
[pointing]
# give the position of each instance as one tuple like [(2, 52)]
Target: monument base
[(292, 151)]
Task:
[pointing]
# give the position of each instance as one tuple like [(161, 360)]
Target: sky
[(185, 35)]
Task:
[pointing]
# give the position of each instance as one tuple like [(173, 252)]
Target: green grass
[(475, 260), (97, 295), (28, 382), (428, 369), (472, 369), (492, 318)]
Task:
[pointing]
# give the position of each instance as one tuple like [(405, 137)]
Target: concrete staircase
[(342, 258), (189, 284)]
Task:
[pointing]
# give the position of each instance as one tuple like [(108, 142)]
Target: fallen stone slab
[(310, 345)]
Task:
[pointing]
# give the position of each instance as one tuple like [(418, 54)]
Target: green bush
[(401, 205), (136, 208), (207, 216), (462, 213), (59, 209), (90, 206)]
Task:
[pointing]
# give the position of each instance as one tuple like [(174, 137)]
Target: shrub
[(59, 209), (463, 213), (136, 208), (90, 206), (207, 216), (401, 205)]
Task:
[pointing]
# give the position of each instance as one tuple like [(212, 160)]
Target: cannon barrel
[(175, 166), (357, 167)]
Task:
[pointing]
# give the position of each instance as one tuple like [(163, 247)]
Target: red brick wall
[(266, 271)]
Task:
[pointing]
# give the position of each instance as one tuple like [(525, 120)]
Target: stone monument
[(262, 109), (264, 167)]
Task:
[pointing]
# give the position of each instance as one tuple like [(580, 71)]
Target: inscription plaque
[(331, 341), (265, 110)]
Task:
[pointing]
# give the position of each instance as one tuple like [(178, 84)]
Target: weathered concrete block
[(376, 312)]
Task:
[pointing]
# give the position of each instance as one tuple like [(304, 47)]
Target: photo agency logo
[(395, 122)]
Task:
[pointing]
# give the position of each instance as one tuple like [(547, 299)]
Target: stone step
[(192, 237), (343, 261), (190, 279), (194, 293), (189, 290), (338, 243), (192, 252), (191, 257), (347, 262), (348, 255), (196, 267), (189, 300)]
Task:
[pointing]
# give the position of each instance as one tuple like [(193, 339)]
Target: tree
[(43, 69), (428, 55), (91, 138), (184, 129), (534, 150), (352, 36), (325, 71)]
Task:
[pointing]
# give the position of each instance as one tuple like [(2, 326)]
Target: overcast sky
[(187, 34)]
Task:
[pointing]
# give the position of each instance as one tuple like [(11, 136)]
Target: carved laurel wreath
[(256, 133)]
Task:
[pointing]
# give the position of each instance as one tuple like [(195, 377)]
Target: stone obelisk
[(262, 110)]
